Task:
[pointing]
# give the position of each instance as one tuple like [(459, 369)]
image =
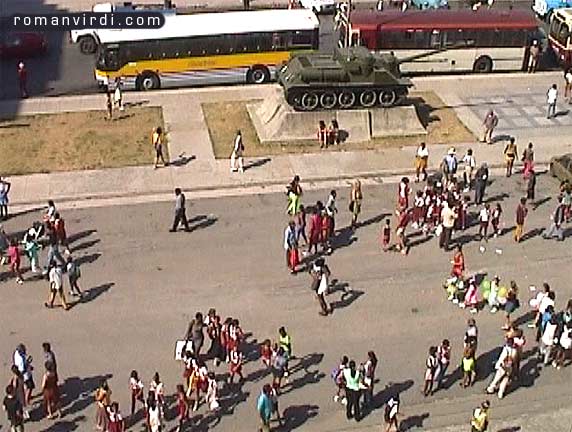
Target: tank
[(350, 78)]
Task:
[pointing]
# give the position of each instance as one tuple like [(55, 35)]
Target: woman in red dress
[(50, 391), (458, 263), (315, 228)]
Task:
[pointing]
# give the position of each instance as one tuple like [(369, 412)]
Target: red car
[(22, 44)]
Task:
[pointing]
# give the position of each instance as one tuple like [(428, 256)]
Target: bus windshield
[(560, 31)]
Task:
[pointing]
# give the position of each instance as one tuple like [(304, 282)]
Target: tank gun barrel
[(435, 51)]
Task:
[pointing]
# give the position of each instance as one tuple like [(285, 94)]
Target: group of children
[(328, 135), (317, 231)]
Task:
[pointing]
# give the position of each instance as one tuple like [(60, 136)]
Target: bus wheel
[(387, 98), (87, 45), (258, 75), (483, 64), (148, 81)]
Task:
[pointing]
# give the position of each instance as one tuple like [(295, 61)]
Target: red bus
[(496, 39)]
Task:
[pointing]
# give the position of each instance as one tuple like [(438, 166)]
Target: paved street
[(144, 283)]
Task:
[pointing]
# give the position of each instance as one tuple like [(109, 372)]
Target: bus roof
[(206, 24), (442, 19)]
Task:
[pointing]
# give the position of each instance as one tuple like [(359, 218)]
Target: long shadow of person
[(296, 415), (77, 393), (485, 364), (413, 422)]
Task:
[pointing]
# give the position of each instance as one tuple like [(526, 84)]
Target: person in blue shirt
[(264, 407)]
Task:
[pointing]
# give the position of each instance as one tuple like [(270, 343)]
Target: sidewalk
[(194, 168)]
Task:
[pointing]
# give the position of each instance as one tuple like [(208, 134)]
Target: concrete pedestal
[(276, 121)]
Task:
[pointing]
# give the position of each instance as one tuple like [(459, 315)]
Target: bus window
[(111, 58), (301, 39), (563, 34), (278, 42)]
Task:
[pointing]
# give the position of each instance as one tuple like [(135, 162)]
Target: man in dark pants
[(481, 180), (180, 211)]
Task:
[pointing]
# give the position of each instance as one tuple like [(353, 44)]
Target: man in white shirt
[(551, 97), (448, 217), (56, 287), (470, 165)]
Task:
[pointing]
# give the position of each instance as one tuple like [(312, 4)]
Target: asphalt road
[(64, 70), (145, 283)]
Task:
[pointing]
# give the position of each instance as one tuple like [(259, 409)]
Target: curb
[(314, 181)]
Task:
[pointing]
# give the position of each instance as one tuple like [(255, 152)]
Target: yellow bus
[(209, 48)]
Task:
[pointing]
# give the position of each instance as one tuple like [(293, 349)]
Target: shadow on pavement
[(93, 293), (413, 422), (296, 415), (77, 393), (309, 376)]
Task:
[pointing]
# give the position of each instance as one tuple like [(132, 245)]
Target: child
[(14, 254), (315, 230), (484, 216), (274, 402), (182, 407), (74, 274), (462, 212), (116, 423), (471, 298), (212, 392), (300, 219), (468, 367), (235, 364), (136, 387), (386, 236), (418, 209), (31, 248), (493, 299), (495, 220), (338, 377), (431, 368), (266, 353), (156, 386)]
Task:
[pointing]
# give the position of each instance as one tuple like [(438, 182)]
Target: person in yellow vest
[(480, 420)]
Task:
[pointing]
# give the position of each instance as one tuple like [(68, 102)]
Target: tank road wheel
[(347, 99), (309, 101), (328, 100), (367, 98), (387, 98)]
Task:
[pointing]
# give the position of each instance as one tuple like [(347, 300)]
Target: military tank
[(351, 77)]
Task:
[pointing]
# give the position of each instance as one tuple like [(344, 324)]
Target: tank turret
[(350, 78)]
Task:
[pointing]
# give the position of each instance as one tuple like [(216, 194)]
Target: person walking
[(369, 378), (558, 218), (551, 99), (264, 408), (568, 85), (391, 413), (528, 161), (195, 333), (157, 139), (480, 418), (56, 287), (109, 105), (51, 392), (484, 218), (14, 410), (421, 161), (320, 273), (74, 273), (118, 95), (534, 56), (4, 191), (510, 152), (444, 359), (352, 378), (521, 213), (481, 181), (356, 198), (15, 261), (490, 123), (49, 356), (236, 155), (470, 164), (180, 211), (291, 247), (431, 366), (116, 422), (448, 217), (23, 362), (23, 80), (531, 186), (31, 248), (53, 248), (102, 402)]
